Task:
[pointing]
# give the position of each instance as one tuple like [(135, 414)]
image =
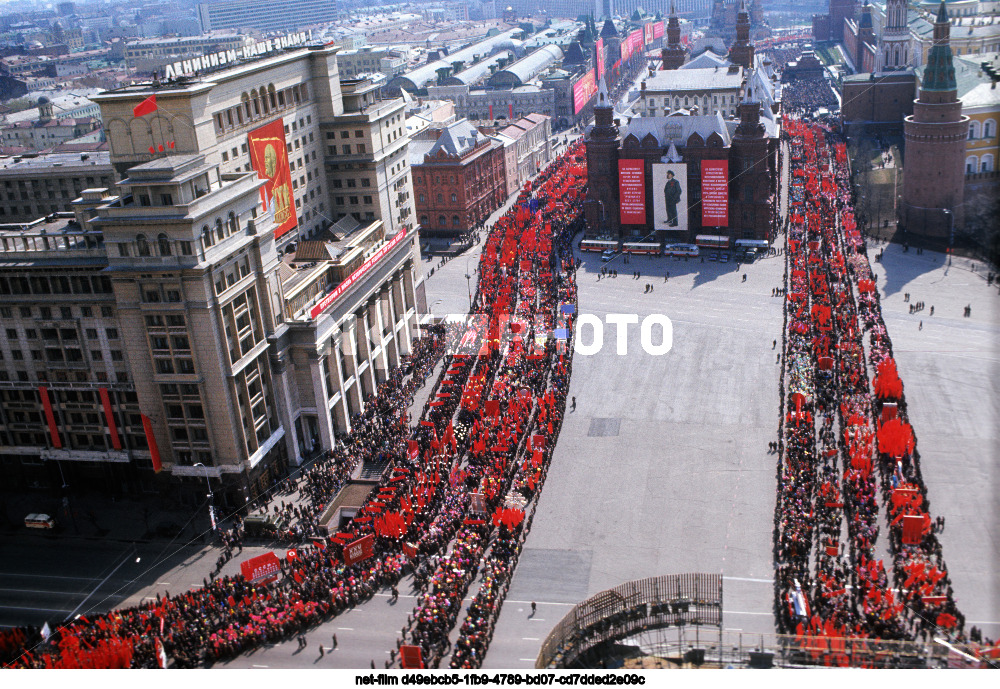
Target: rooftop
[(694, 79), (10, 165)]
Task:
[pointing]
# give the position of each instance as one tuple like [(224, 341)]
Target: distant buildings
[(37, 186), (150, 54), (265, 15)]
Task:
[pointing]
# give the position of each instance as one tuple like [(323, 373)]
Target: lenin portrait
[(670, 197)]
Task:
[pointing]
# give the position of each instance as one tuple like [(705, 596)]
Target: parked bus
[(712, 241), (761, 244), (598, 245), (680, 250), (651, 248)]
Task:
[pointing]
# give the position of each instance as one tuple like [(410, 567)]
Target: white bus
[(752, 244), (680, 250), (598, 245), (652, 248)]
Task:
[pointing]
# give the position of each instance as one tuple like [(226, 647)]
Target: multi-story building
[(532, 136), (148, 54), (178, 323), (35, 186), (265, 15), (458, 179), (364, 142), (47, 131), (711, 90), (368, 59)]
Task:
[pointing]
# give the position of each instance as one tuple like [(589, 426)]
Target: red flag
[(145, 107)]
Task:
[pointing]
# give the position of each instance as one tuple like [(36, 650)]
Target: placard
[(632, 191), (715, 193)]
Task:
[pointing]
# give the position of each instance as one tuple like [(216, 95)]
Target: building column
[(280, 380), (317, 363), (405, 342), (354, 393)]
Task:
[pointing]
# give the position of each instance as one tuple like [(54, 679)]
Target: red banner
[(715, 193), (326, 301), (583, 91), (50, 418), (269, 157), (599, 49), (657, 30), (411, 657), (647, 33), (632, 191), (262, 569), (110, 416), (154, 451), (359, 550), (635, 41)]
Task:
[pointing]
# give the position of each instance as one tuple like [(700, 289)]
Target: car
[(38, 520), (725, 258), (748, 256), (607, 255), (714, 256)]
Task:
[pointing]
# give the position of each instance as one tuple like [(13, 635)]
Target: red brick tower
[(674, 54), (742, 51), (934, 154), (601, 207)]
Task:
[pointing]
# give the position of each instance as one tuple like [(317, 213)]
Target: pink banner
[(583, 91), (657, 30), (599, 49), (325, 302), (715, 193), (632, 191)]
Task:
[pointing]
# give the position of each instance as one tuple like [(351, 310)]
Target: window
[(112, 333), (986, 165), (163, 244), (455, 221), (164, 366), (971, 164), (442, 221), (142, 245), (989, 129)]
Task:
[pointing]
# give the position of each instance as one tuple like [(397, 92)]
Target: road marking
[(741, 612), (528, 660), (530, 638), (528, 602), (537, 619), (51, 593), (345, 629), (46, 576), (258, 666), (16, 607), (167, 583), (759, 581)]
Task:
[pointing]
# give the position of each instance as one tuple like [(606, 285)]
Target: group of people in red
[(846, 443), (472, 465)]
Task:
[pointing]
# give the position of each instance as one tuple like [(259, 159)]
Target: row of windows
[(98, 284), (989, 129), (258, 105), (974, 164), (65, 312), (143, 248), (62, 333)]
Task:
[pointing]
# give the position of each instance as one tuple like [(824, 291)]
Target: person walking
[(533, 607), (573, 407), (322, 651), (921, 326), (334, 640), (774, 343)]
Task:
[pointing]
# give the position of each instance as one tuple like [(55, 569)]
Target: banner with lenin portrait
[(269, 157)]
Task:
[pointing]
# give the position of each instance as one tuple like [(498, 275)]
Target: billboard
[(626, 48), (715, 193), (670, 196), (358, 550), (600, 57), (632, 191), (269, 157), (262, 569), (635, 40), (657, 30), (647, 33), (583, 91)]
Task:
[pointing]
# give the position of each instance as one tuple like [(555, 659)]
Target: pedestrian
[(932, 309), (774, 343), (744, 277), (322, 651), (533, 607), (778, 358), (921, 326), (573, 408), (334, 646)]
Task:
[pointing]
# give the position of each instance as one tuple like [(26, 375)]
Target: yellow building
[(981, 102)]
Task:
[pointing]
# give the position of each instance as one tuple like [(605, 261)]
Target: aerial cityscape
[(309, 310)]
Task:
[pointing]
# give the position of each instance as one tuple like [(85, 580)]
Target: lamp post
[(468, 282), (951, 230), (211, 496)]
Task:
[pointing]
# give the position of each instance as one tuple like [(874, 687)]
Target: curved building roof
[(477, 72), (425, 75), (527, 68)]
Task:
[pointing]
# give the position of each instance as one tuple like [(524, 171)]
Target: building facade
[(166, 334), (265, 15), (458, 179), (34, 187)]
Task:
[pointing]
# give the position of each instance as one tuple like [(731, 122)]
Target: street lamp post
[(951, 231), (468, 282), (211, 496)]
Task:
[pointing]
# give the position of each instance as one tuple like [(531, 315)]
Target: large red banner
[(657, 30), (50, 417), (635, 40), (262, 569), (599, 49), (325, 302), (110, 416), (647, 33), (154, 450), (715, 193), (358, 550), (583, 91), (269, 157), (632, 191)]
